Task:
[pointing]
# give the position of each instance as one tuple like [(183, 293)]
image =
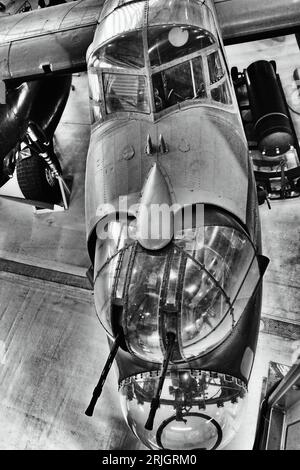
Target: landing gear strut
[(38, 170)]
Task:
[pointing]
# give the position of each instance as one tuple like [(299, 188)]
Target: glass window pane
[(142, 320), (173, 277), (102, 292), (122, 274), (176, 84), (203, 308), (179, 84), (228, 254), (172, 86), (112, 238), (94, 87), (180, 421), (221, 93), (126, 93), (106, 247), (167, 43), (125, 51), (246, 290), (225, 252), (216, 71), (199, 78)]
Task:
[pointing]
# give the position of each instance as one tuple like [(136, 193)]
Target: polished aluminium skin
[(180, 151), (60, 38)]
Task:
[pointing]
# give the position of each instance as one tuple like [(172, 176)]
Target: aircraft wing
[(56, 39), (245, 20), (47, 40)]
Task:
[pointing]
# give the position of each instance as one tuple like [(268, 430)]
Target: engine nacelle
[(41, 101)]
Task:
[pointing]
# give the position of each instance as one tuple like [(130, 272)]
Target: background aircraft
[(47, 67)]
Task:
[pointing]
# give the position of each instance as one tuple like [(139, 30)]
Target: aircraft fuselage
[(167, 133)]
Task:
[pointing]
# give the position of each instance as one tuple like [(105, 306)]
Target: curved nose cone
[(155, 226), (198, 409)]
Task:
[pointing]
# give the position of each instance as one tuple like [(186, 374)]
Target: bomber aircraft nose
[(199, 410), (165, 309), (196, 287)]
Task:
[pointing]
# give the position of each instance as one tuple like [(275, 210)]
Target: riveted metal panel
[(192, 167), (64, 51), (58, 37), (42, 21), (4, 52), (240, 19)]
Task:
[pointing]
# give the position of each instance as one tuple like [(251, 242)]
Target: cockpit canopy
[(197, 287), (168, 43), (172, 65)]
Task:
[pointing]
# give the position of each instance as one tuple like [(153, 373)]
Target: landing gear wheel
[(36, 181)]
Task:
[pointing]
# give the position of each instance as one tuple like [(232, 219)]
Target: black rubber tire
[(33, 182)]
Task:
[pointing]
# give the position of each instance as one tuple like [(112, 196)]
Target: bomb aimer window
[(201, 284)]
